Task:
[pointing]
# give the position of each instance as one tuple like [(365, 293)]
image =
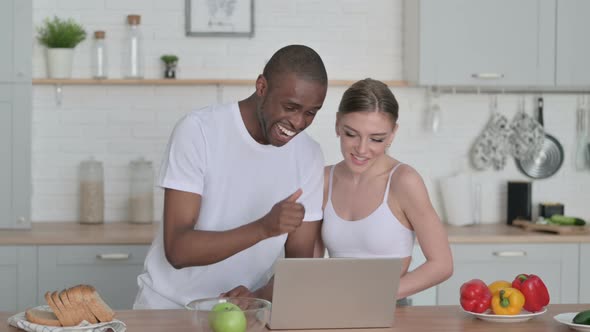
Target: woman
[(375, 204)]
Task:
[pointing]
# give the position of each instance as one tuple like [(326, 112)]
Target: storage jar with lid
[(91, 192), (99, 56), (141, 200), (133, 54)]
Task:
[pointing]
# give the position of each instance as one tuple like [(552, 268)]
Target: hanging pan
[(548, 161)]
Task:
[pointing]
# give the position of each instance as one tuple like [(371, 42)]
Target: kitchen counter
[(417, 319), (60, 233), (502, 233)]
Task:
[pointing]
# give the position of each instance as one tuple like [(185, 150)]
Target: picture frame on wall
[(219, 18)]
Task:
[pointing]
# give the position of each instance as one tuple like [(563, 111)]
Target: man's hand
[(284, 217), (240, 291)]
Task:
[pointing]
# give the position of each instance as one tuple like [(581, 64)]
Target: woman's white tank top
[(378, 235)]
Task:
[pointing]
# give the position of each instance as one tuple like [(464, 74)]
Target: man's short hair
[(298, 59)]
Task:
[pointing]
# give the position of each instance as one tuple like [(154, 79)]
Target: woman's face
[(364, 137)]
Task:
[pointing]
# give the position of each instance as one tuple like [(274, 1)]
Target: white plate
[(522, 317), (567, 318)]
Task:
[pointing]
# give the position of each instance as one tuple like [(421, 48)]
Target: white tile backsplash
[(356, 38)]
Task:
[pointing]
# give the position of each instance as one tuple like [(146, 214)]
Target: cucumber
[(563, 220), (583, 317)]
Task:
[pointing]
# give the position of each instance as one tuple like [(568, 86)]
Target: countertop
[(417, 319), (70, 233), (56, 233)]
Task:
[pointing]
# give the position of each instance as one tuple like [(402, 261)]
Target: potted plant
[(170, 62), (60, 37)]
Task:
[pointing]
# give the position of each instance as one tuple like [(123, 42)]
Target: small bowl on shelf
[(230, 314)]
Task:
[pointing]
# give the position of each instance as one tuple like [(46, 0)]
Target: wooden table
[(415, 319)]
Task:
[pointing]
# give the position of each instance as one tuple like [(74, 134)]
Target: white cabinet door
[(556, 264), (16, 17), (112, 270), (584, 273), (15, 155), (5, 155), (22, 44), (480, 42), (6, 39), (573, 49), (18, 277)]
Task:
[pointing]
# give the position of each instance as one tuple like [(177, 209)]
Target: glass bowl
[(230, 314)]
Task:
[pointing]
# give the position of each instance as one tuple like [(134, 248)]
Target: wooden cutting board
[(548, 228)]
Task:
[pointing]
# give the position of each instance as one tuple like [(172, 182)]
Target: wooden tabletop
[(415, 319)]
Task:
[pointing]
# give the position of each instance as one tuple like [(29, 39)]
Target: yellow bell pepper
[(508, 301), (495, 286)]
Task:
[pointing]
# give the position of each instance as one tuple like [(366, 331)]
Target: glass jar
[(99, 56), (133, 55), (141, 200), (91, 192)]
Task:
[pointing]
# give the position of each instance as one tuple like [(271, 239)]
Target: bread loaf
[(72, 306)]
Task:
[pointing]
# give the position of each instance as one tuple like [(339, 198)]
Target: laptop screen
[(314, 293)]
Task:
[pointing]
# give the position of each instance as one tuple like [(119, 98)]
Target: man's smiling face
[(287, 106)]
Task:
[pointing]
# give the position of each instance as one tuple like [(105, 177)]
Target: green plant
[(58, 33), (169, 59)]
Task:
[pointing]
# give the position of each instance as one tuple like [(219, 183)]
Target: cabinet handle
[(509, 253), (487, 76), (114, 257)]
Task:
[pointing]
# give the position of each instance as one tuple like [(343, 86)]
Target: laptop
[(324, 293)]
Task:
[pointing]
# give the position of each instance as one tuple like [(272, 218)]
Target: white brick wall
[(356, 38)]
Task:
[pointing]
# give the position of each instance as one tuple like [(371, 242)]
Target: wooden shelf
[(90, 81)]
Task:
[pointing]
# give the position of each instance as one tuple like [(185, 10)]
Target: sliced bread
[(74, 310), (97, 306), (42, 317), (76, 298), (68, 319), (55, 308)]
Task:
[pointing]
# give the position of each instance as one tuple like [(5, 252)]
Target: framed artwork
[(232, 18)]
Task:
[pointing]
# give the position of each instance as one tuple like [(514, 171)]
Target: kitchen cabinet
[(18, 277), (584, 273), (15, 35), (481, 42), (111, 269), (15, 155), (15, 113), (573, 50), (556, 263)]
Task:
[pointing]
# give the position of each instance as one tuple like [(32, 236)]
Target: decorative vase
[(59, 62)]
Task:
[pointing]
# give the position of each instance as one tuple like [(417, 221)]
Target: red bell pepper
[(475, 296), (534, 291)]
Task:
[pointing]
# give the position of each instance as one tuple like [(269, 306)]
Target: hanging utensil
[(548, 161), (580, 160), (435, 115)]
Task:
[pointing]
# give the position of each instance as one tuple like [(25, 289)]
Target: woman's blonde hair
[(369, 95)]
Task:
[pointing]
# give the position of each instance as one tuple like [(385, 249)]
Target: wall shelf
[(219, 83), (90, 81)]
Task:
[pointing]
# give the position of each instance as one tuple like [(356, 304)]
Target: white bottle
[(133, 55), (99, 56)]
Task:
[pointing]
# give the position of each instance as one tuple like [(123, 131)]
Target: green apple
[(227, 317)]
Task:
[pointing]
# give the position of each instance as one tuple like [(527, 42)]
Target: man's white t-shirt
[(212, 154)]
